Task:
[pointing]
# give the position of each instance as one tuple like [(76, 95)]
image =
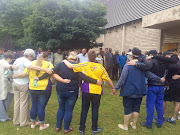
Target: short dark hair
[(91, 55), (173, 50), (153, 52), (9, 55)]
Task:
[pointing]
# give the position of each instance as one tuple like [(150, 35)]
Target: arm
[(174, 66), (11, 66), (175, 77), (86, 78), (123, 78), (165, 59), (49, 71), (141, 66), (152, 77), (60, 79), (20, 75), (45, 75)]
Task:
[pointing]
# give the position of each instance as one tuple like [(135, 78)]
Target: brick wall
[(132, 35)]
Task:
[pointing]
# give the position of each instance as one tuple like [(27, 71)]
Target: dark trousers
[(39, 99), (115, 72), (67, 100), (154, 98), (109, 70), (120, 70), (94, 99)]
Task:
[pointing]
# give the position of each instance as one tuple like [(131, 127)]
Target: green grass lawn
[(111, 113)]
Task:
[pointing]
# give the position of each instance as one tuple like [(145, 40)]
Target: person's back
[(41, 84), (158, 68), (62, 70), (95, 71), (135, 82)]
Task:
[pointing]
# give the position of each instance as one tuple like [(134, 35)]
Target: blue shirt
[(122, 60)]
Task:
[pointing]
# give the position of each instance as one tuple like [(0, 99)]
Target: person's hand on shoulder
[(162, 79), (132, 62), (99, 82)]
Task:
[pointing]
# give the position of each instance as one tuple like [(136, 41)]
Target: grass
[(111, 113)]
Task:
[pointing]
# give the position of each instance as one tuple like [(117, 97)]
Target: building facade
[(146, 24)]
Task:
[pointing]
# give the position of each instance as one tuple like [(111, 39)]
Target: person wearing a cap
[(133, 88)]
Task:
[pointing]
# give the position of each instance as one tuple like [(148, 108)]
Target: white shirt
[(5, 85), (21, 63), (82, 58)]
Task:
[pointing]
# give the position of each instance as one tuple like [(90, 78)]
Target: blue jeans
[(94, 99), (67, 100), (154, 98), (39, 100)]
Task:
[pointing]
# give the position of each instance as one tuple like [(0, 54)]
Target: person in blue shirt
[(123, 59), (133, 88)]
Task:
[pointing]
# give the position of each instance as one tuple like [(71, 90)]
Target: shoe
[(133, 127), (81, 132), (33, 126), (45, 126), (99, 129), (158, 126), (57, 130), (144, 125), (68, 131), (122, 127), (171, 121)]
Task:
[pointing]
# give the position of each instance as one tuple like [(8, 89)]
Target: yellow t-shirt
[(41, 84), (95, 71)]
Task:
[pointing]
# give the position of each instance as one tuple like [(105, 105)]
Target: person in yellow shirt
[(40, 91), (91, 93)]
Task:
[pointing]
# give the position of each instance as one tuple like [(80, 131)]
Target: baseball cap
[(135, 52), (152, 52)]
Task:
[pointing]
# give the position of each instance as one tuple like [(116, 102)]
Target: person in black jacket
[(173, 94)]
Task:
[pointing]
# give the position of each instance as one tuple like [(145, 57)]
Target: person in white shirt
[(6, 91), (20, 86), (83, 57)]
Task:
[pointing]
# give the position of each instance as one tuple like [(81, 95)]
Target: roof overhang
[(164, 19)]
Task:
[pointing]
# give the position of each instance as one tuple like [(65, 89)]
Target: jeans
[(95, 102), (67, 100), (154, 98), (39, 99)]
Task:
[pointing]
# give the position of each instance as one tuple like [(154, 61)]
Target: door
[(168, 46)]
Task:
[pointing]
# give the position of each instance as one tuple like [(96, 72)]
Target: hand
[(114, 92), (36, 78), (132, 62), (49, 71), (14, 67), (175, 77), (66, 81), (99, 82), (162, 79), (148, 58)]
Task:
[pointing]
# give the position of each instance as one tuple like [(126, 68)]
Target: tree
[(56, 23)]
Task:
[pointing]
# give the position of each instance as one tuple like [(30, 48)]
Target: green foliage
[(53, 23)]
